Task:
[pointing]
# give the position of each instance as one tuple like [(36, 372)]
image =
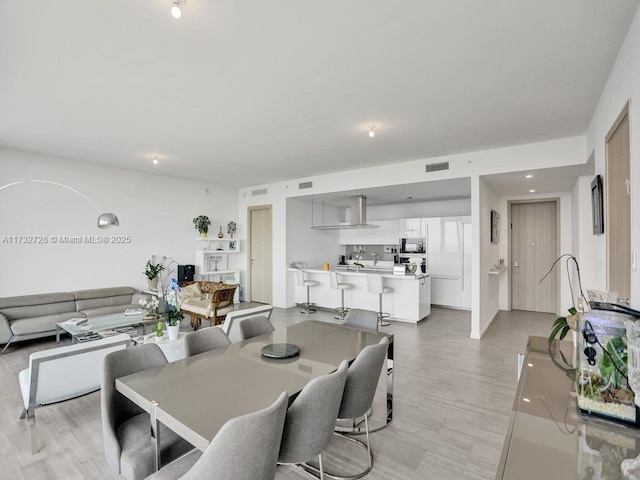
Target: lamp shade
[(108, 220)]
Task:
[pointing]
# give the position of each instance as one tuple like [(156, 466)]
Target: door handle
[(515, 264)]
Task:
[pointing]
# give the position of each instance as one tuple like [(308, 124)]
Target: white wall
[(623, 84), (485, 287), (155, 212)]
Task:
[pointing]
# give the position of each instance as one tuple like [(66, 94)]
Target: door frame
[(555, 200), (248, 296), (624, 113)]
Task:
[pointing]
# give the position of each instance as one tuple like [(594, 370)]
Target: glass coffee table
[(95, 328)]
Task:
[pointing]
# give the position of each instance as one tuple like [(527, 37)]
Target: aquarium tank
[(602, 379)]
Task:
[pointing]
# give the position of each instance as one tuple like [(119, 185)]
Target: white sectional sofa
[(33, 316)]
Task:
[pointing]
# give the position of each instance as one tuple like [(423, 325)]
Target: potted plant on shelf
[(151, 271), (202, 223)]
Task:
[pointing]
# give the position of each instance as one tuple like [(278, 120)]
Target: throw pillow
[(192, 291)]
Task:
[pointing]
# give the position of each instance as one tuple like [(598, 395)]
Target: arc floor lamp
[(105, 220)]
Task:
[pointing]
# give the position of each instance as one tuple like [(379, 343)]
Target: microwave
[(412, 245)]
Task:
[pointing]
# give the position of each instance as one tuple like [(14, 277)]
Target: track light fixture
[(176, 12), (371, 132)]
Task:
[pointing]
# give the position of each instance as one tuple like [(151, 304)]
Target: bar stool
[(374, 285), (335, 283), (308, 307)]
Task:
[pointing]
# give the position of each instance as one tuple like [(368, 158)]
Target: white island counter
[(410, 300)]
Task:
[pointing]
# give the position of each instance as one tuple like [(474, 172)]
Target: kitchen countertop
[(363, 272)]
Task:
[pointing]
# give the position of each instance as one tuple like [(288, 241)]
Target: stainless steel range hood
[(358, 217)]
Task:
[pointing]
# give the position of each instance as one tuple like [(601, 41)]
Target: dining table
[(197, 395)]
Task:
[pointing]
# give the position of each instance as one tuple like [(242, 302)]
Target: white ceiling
[(251, 92)]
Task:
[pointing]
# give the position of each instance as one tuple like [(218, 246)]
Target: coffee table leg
[(155, 434)]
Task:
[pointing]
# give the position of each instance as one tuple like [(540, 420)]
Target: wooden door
[(260, 254), (618, 220), (534, 240)]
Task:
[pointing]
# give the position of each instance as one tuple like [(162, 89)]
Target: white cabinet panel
[(446, 291)]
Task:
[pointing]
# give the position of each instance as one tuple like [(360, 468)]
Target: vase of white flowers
[(150, 305)]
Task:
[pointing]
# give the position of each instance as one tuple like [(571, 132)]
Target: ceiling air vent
[(305, 185), (262, 191), (434, 167)]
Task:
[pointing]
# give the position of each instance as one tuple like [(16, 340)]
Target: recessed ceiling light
[(528, 176), (155, 161), (526, 400), (371, 132), (533, 190), (175, 9)]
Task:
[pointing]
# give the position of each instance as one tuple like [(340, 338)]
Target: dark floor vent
[(305, 185), (434, 167), (262, 191)]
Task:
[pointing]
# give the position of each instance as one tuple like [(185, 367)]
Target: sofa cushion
[(15, 308), (99, 311), (45, 323), (102, 292), (103, 297), (201, 307)]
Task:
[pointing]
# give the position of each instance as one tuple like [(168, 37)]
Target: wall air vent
[(262, 191), (434, 167), (305, 185)]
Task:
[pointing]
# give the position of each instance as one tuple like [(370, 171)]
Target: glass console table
[(548, 438)]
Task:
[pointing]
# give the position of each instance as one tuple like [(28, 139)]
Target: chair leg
[(13, 337), (321, 467), (308, 307), (33, 437), (381, 322)]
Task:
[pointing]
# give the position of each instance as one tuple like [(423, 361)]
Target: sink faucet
[(375, 259), (357, 264)]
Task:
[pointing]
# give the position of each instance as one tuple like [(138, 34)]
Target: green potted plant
[(151, 271), (202, 223)]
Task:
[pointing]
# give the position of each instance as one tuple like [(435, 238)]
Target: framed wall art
[(495, 227), (597, 210)]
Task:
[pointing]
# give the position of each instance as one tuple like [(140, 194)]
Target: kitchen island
[(409, 302)]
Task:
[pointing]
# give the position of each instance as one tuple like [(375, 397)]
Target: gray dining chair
[(254, 326), (246, 447), (311, 418), (359, 390), (361, 319), (125, 426), (205, 339)]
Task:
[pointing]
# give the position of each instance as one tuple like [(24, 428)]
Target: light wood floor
[(452, 402)]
